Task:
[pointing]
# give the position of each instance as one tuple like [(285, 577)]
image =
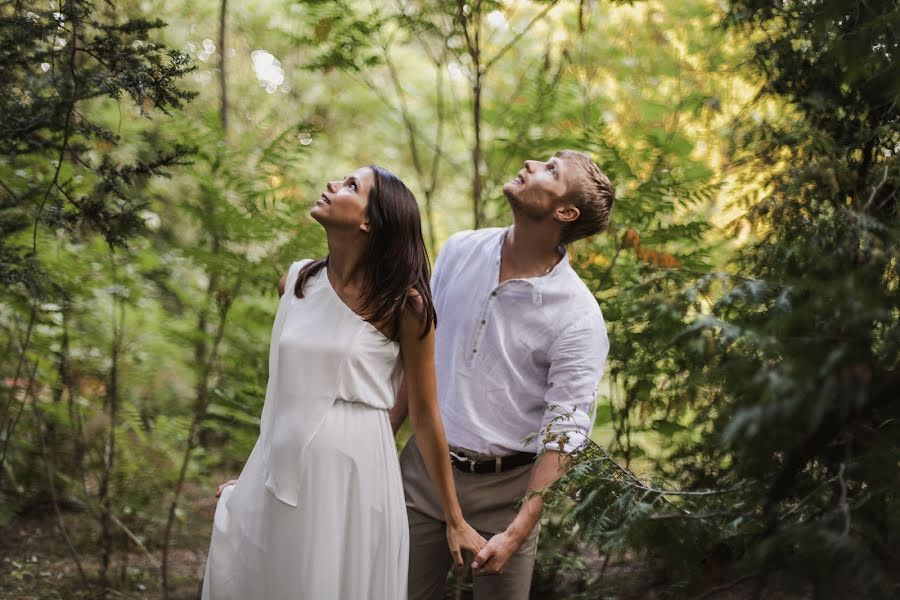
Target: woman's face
[(343, 203)]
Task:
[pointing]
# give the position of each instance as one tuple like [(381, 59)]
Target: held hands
[(495, 554), (462, 537), (224, 485)]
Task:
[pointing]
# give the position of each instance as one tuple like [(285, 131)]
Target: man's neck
[(529, 250)]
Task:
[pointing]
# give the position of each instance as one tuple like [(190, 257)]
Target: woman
[(318, 510)]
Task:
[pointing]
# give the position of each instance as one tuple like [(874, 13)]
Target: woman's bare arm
[(421, 395)]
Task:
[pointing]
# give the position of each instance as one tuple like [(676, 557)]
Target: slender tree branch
[(876, 189), (9, 191), (201, 404), (51, 486), (223, 88), (490, 63), (11, 391), (726, 586), (13, 420)]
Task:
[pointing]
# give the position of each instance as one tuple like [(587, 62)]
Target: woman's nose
[(529, 166), (330, 186)]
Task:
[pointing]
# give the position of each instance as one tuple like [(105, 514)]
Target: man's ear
[(567, 213)]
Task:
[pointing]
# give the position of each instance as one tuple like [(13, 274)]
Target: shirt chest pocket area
[(515, 354)]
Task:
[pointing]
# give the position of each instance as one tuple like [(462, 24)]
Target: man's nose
[(330, 186), (529, 166)]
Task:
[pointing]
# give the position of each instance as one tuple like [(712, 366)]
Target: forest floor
[(37, 564)]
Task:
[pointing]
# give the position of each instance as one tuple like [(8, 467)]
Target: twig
[(519, 35), (10, 191), (11, 423), (134, 539), (223, 88), (876, 188), (67, 130), (803, 500), (605, 563), (845, 508), (640, 484), (726, 586), (706, 515), (53, 496), (201, 403)]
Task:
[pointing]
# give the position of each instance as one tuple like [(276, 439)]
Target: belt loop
[(471, 466), (497, 462)]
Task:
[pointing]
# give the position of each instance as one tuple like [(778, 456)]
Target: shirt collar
[(559, 267)]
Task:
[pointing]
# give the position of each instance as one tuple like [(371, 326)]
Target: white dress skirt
[(318, 510)]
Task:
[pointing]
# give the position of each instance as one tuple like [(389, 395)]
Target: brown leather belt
[(497, 464)]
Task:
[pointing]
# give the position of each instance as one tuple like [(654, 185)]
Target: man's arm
[(550, 466), (577, 361)]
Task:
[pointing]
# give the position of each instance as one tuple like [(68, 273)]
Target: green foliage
[(784, 366), (64, 171), (55, 65), (748, 280)]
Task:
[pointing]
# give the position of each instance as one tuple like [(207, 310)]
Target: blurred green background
[(159, 159)]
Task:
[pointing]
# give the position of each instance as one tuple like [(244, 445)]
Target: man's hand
[(495, 554)]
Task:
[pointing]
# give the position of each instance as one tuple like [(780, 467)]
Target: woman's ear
[(365, 226)]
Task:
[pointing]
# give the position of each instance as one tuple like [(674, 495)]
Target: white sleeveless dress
[(318, 511)]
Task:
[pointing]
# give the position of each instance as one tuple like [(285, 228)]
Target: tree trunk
[(109, 455), (477, 202), (8, 422), (473, 43)]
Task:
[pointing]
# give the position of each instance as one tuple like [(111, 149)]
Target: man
[(520, 349)]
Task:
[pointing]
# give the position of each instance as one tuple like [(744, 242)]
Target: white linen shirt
[(517, 359)]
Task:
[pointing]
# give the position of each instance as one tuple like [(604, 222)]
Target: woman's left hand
[(222, 487), (463, 537)]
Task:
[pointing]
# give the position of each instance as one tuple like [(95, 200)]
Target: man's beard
[(521, 208)]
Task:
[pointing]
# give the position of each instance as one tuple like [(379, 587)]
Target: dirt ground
[(37, 564)]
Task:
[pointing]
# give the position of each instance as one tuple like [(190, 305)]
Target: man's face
[(538, 188)]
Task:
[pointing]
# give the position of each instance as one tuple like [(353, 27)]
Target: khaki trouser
[(489, 503)]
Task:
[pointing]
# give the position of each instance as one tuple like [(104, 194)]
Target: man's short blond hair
[(591, 192)]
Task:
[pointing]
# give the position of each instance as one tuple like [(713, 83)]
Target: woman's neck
[(345, 254)]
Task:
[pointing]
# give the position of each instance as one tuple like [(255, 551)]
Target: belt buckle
[(464, 459)]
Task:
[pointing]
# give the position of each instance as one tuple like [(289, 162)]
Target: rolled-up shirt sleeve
[(577, 362)]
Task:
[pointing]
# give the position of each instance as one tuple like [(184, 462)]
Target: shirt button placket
[(482, 322)]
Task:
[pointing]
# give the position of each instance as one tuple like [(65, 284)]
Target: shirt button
[(493, 293), (483, 321), (474, 350)]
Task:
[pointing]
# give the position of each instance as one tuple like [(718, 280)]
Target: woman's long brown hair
[(395, 261)]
